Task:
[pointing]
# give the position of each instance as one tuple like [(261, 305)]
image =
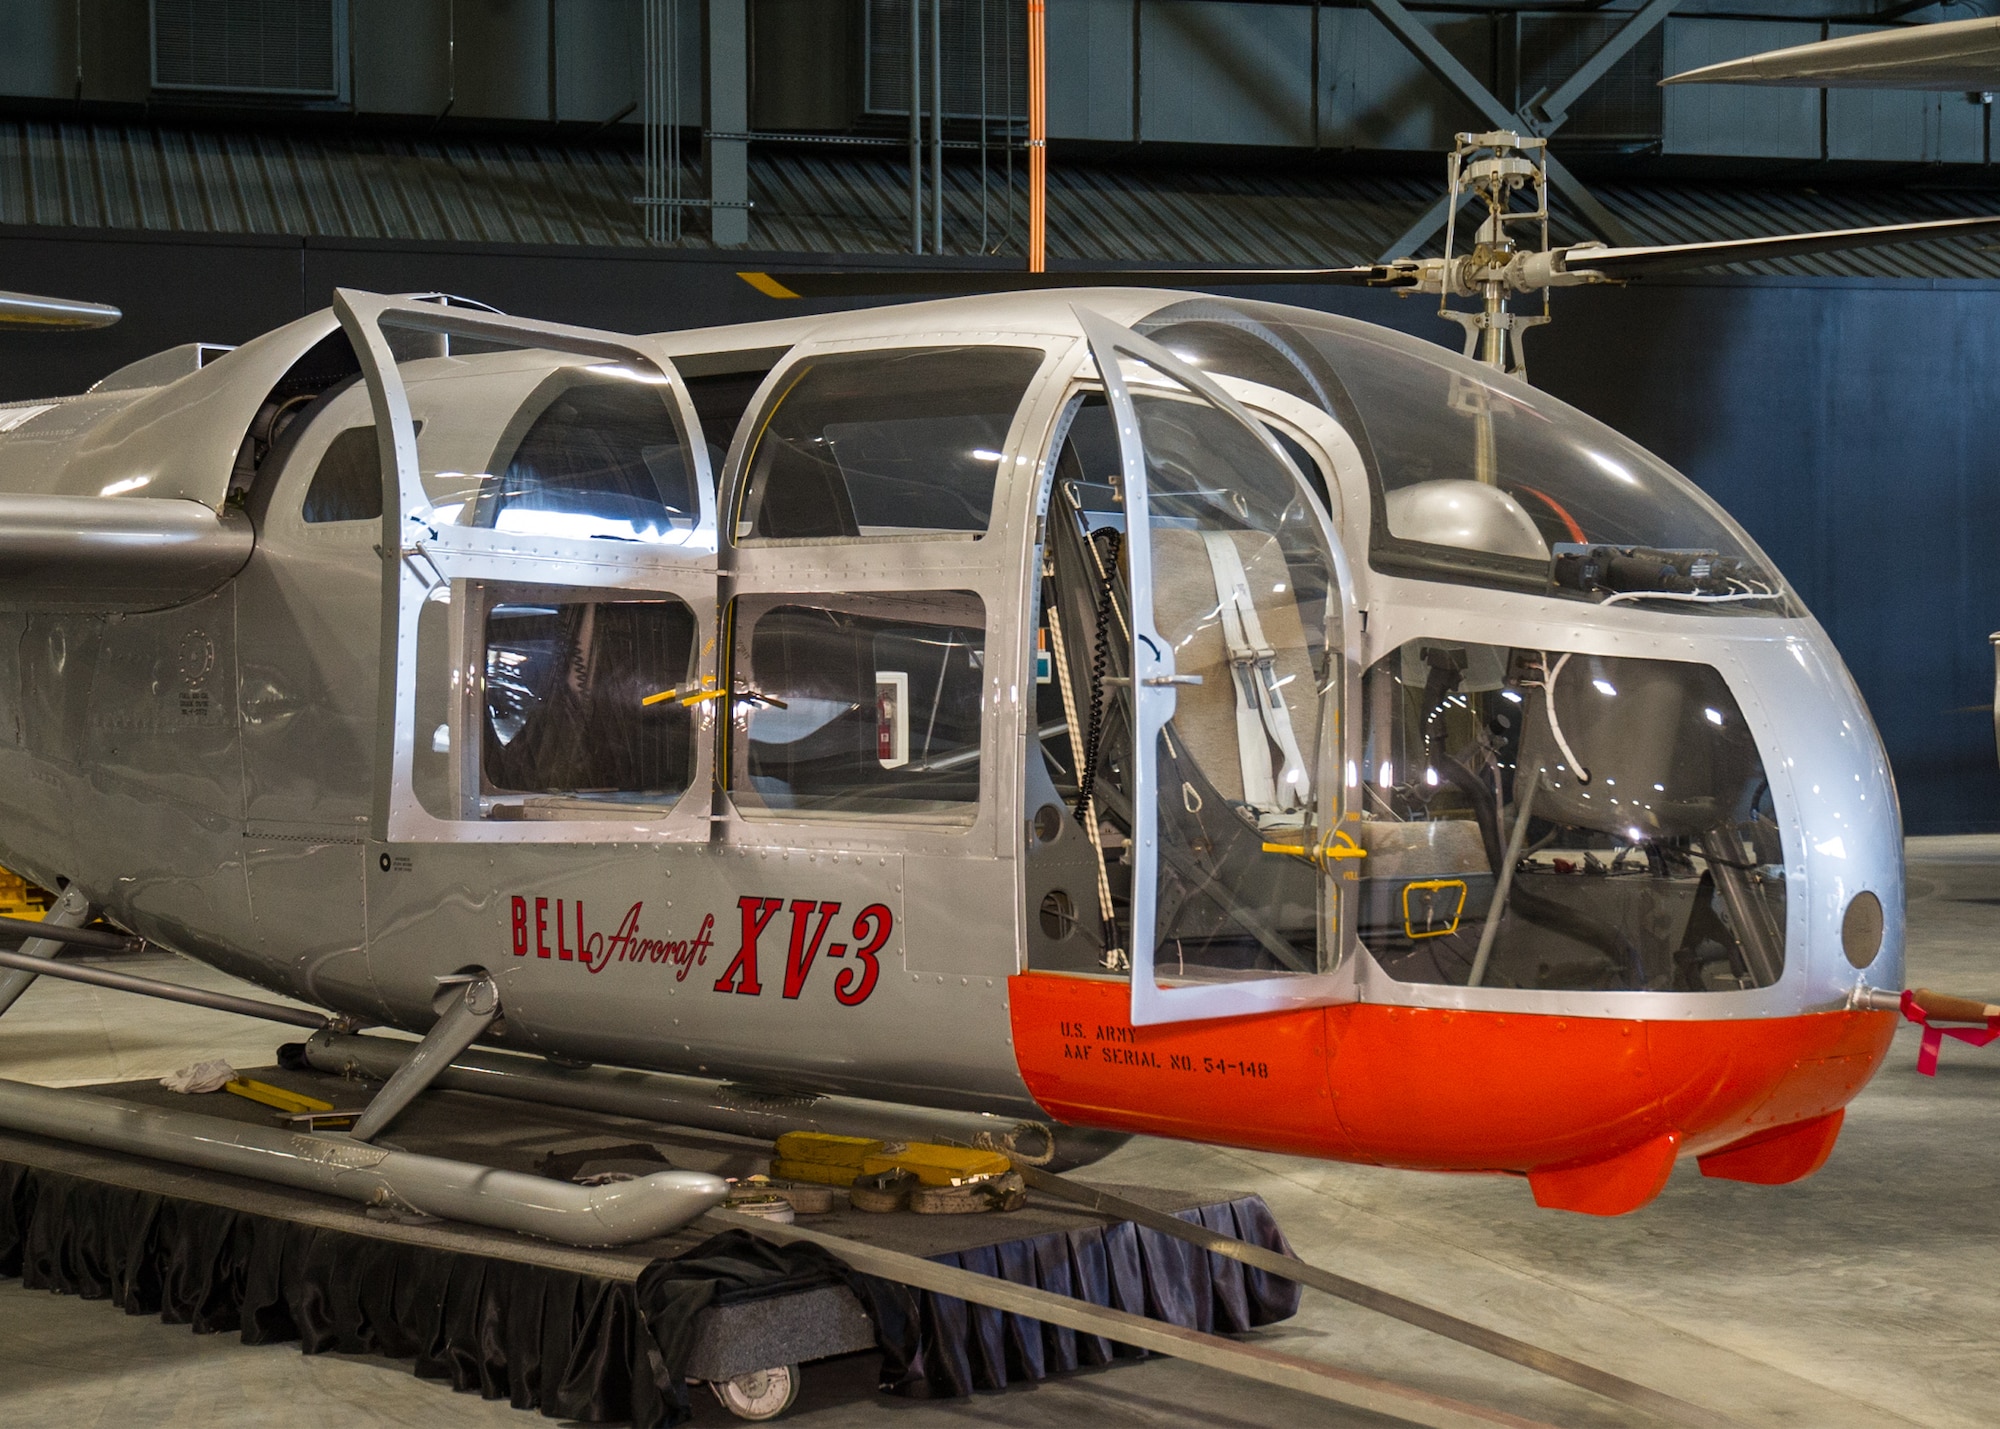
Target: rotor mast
[(1496, 167), (1510, 250)]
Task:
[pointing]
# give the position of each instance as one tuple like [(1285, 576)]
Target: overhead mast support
[(916, 127), (937, 126), (1038, 136)]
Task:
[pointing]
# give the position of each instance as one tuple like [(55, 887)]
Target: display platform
[(580, 1334)]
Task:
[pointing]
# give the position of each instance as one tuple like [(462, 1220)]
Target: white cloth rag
[(208, 1076)]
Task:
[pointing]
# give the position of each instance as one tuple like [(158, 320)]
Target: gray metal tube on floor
[(68, 911), (695, 1102), (617, 1214), (21, 965), (1504, 881)]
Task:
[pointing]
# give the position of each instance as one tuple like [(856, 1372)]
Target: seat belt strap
[(1262, 718)]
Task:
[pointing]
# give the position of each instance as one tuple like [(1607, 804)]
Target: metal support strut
[(71, 910), (470, 1013)]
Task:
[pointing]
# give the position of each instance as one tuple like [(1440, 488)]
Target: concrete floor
[(1868, 1295)]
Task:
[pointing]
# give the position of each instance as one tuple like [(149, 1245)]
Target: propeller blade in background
[(956, 282), (1957, 54), (27, 310), (1622, 263)]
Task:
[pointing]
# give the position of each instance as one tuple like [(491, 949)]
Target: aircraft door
[(1236, 671), (549, 570)]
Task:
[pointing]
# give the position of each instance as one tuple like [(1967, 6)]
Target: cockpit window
[(903, 443), (1560, 821), (575, 717), (596, 452), (1479, 477), (858, 705), (347, 484)]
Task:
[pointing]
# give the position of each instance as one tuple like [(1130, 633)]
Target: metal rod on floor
[(1410, 1312), (1251, 1361), (170, 992), (700, 1102), (68, 911), (618, 1214)]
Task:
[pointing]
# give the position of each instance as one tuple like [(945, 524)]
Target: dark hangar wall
[(1849, 423)]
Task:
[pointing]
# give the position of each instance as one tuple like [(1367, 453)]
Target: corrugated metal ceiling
[(849, 201)]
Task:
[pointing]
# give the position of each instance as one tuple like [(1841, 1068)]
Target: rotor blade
[(27, 310), (1956, 55), (1675, 257), (952, 282)]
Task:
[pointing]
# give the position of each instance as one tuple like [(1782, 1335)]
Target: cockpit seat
[(1245, 724)]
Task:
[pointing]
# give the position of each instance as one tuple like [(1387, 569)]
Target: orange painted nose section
[(1448, 1091)]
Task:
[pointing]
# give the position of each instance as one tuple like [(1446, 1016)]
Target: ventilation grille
[(289, 47), (964, 25)]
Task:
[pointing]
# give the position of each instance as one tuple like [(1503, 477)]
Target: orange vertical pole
[(1038, 137)]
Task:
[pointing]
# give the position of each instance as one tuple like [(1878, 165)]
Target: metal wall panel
[(1090, 70), (1624, 105), (597, 59), (1374, 94), (1225, 73), (401, 56), (117, 63), (501, 63), (985, 56), (1900, 125), (804, 64), (1733, 119), (38, 55)]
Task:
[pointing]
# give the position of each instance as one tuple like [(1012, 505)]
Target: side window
[(1565, 822), (574, 713), (1308, 468), (858, 705), (884, 444), (602, 455), (347, 486)]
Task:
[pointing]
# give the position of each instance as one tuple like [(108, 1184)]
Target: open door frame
[(1154, 698), (420, 553)]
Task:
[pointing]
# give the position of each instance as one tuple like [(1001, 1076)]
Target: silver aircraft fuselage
[(264, 749)]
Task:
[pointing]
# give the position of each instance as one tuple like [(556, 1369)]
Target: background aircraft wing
[(1958, 54), (27, 310)]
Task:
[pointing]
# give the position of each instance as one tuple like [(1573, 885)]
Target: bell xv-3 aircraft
[(1107, 708)]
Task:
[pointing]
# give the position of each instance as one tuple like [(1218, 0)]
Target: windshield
[(1478, 477)]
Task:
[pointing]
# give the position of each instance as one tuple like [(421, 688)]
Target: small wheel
[(760, 1394)]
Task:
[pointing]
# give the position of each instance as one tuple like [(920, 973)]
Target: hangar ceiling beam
[(1542, 115), (728, 115)]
